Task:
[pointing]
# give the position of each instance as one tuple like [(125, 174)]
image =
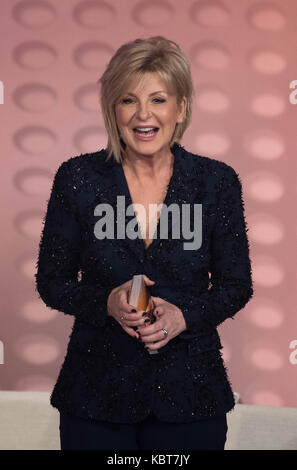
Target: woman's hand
[(169, 317), (121, 311)]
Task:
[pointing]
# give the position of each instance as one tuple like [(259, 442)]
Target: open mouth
[(146, 133)]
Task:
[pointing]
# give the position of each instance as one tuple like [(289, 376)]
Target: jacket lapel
[(182, 189)]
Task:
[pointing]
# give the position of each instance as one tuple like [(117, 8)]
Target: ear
[(182, 109)]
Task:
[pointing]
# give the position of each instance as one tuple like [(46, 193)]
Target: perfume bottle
[(140, 298)]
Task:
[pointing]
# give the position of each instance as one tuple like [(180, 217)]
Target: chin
[(147, 147)]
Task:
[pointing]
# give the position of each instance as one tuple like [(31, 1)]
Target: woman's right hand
[(117, 307)]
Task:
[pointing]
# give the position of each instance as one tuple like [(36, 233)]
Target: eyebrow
[(154, 93)]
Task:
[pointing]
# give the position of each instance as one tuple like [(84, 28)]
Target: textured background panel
[(243, 58)]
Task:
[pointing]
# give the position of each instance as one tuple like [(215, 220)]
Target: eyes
[(129, 100)]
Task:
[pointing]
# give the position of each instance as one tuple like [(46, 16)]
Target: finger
[(128, 324), (158, 311), (135, 323), (136, 318), (123, 303), (156, 345), (147, 280), (121, 317), (157, 300), (150, 329), (130, 331), (157, 336)]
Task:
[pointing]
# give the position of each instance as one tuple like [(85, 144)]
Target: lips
[(145, 136), (140, 132), (142, 129)]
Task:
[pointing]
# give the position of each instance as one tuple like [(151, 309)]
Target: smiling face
[(148, 104)]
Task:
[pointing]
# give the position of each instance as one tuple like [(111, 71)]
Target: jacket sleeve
[(231, 279), (59, 257)]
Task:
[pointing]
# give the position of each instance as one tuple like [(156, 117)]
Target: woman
[(111, 393)]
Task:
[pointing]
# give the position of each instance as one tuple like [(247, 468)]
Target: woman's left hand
[(168, 316)]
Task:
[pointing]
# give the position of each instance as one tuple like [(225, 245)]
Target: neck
[(148, 166)]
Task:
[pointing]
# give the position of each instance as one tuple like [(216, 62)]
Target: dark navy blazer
[(107, 374)]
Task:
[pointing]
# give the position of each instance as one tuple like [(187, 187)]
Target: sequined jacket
[(106, 374)]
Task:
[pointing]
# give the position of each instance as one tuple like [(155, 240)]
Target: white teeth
[(145, 129)]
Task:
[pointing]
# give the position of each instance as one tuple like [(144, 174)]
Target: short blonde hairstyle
[(134, 59)]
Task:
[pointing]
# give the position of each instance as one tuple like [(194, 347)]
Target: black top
[(107, 374)]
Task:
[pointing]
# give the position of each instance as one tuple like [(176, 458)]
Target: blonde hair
[(134, 59)]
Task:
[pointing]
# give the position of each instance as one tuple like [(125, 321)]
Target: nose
[(143, 111)]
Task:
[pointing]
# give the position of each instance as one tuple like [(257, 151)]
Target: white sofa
[(28, 422)]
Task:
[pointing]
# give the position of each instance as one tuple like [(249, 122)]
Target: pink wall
[(243, 56)]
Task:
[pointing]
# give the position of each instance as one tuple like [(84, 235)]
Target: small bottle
[(140, 298)]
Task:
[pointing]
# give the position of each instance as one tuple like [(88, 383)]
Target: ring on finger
[(165, 332)]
